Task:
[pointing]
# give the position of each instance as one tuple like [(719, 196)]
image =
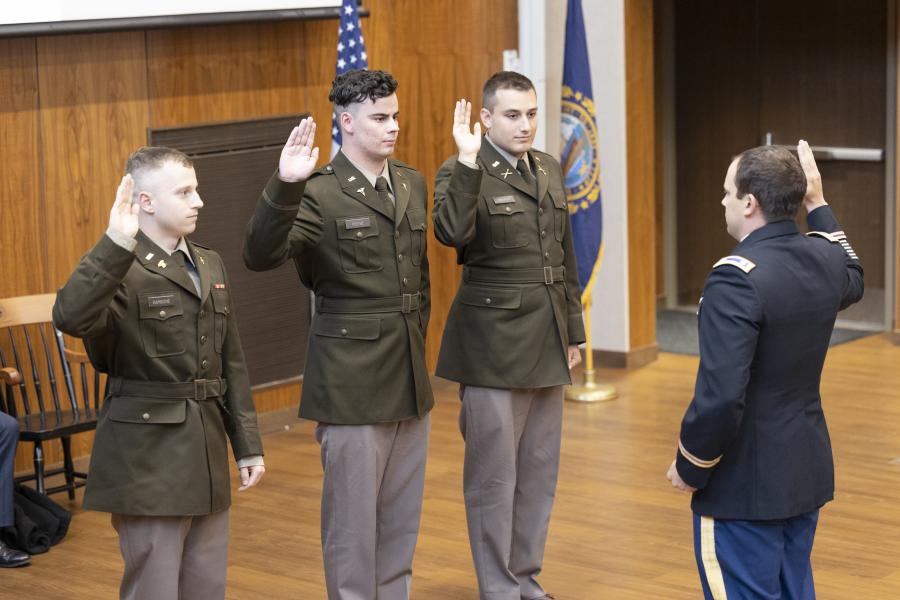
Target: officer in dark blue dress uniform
[(754, 447)]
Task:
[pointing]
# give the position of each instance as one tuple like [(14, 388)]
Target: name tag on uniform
[(357, 223), (503, 199), (161, 300)]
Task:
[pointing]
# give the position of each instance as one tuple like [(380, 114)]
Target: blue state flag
[(580, 163), (351, 55)]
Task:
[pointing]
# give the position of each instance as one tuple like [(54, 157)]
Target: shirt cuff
[(255, 460), (121, 240)]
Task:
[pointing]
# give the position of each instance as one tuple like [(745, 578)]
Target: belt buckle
[(199, 390), (406, 305), (548, 275)]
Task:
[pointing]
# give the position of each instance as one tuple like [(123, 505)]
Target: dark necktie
[(184, 261), (525, 172), (381, 186)]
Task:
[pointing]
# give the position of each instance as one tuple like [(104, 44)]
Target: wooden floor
[(618, 530)]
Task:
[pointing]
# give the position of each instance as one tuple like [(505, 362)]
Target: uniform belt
[(547, 275), (405, 303), (199, 389)]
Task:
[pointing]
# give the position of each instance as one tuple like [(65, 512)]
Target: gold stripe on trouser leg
[(714, 578)]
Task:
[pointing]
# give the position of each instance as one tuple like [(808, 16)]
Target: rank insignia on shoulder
[(218, 286), (823, 234), (837, 237), (736, 261)]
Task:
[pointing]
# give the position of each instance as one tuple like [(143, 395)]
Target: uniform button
[(145, 416), (540, 211), (487, 300), (226, 310), (202, 339), (343, 332), (543, 233), (202, 314), (204, 363), (162, 314), (396, 235), (405, 281), (399, 258), (508, 209), (547, 255), (359, 234)]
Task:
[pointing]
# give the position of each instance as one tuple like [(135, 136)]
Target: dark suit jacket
[(142, 320), (363, 365), (754, 440), (501, 334)]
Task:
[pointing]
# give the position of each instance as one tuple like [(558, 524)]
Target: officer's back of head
[(775, 178)]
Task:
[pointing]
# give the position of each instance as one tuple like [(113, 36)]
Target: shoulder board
[(326, 170), (736, 261), (542, 155), (403, 165), (826, 235)]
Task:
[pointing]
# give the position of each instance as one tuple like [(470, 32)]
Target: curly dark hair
[(354, 87), (774, 176)]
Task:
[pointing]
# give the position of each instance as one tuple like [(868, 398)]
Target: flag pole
[(589, 391)]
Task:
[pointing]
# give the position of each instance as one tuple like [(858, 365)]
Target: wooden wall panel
[(224, 73), (93, 93), (21, 217), (639, 123)]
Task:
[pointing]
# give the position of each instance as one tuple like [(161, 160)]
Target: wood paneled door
[(748, 70)]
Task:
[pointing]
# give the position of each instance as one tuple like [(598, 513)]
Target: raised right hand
[(124, 214), (815, 197), (298, 157), (468, 141)]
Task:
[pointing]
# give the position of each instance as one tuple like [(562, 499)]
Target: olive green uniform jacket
[(143, 323), (366, 264), (502, 333)]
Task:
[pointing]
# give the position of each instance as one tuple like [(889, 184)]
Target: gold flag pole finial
[(589, 391)]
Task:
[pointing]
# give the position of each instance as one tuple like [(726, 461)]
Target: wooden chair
[(33, 375)]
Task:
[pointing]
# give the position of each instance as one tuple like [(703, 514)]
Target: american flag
[(351, 55)]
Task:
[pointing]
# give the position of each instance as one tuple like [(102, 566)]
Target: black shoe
[(10, 557)]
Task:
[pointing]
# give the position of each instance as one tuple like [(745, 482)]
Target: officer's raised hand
[(814, 196), (468, 140), (298, 158), (123, 217)]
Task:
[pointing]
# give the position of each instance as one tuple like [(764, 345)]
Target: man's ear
[(486, 119), (145, 199), (346, 120), (751, 205)]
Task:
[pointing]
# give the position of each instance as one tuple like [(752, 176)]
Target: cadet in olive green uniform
[(512, 331), (356, 232), (156, 315)]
